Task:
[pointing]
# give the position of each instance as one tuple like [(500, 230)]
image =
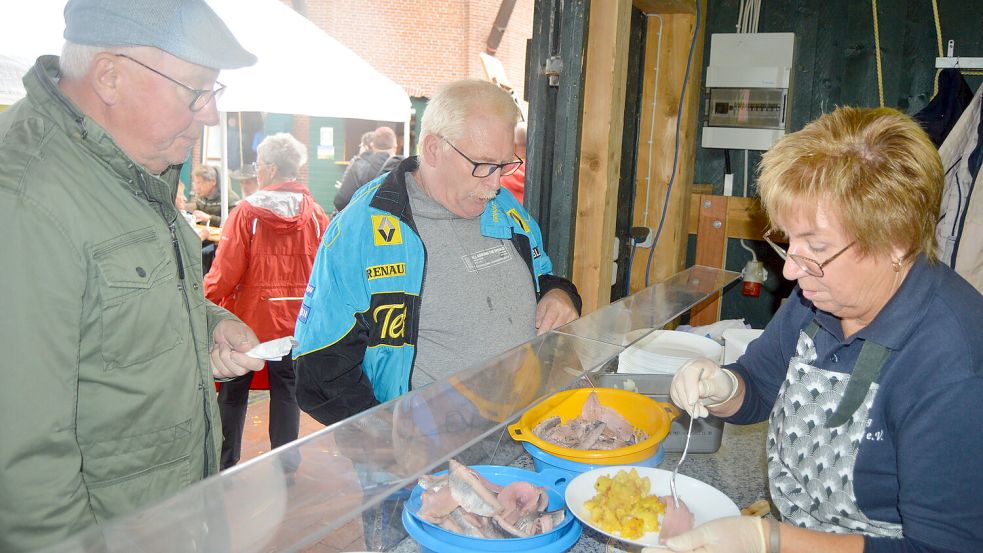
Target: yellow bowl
[(641, 412)]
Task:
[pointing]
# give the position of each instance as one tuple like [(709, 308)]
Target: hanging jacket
[(960, 228), (942, 113)]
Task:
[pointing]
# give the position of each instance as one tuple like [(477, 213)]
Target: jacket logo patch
[(385, 271), (386, 230), (514, 215), (391, 321), (310, 290), (536, 253), (305, 310)]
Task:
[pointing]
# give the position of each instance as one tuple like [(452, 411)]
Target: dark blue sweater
[(920, 464)]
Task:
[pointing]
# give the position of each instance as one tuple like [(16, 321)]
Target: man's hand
[(231, 340), (201, 216), (724, 535), (555, 309), (694, 392)]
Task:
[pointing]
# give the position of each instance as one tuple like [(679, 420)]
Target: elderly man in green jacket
[(109, 347)]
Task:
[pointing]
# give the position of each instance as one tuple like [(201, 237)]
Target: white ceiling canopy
[(301, 69)]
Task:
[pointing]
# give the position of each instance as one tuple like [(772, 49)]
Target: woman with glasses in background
[(871, 374), (206, 196)]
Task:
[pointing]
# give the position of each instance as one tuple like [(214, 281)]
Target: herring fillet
[(469, 491)]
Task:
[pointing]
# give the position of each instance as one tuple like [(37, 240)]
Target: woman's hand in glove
[(700, 383), (725, 535)]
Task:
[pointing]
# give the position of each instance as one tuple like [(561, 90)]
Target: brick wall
[(421, 44)]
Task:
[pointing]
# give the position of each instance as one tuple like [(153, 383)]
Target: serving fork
[(689, 432)]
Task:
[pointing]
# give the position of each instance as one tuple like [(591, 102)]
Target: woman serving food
[(871, 373)]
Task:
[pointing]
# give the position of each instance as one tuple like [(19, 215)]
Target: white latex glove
[(230, 342), (693, 393), (724, 535)]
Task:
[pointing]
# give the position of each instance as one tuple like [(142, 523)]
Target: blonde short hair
[(450, 107), (874, 167)]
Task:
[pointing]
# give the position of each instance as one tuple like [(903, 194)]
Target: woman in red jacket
[(260, 272)]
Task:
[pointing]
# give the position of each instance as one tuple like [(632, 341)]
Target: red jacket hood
[(285, 206)]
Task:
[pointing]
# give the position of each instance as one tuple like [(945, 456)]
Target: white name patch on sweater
[(487, 258)]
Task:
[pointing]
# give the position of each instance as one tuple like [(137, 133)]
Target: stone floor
[(256, 441)]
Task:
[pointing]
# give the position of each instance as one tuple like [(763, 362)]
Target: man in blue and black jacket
[(430, 269)]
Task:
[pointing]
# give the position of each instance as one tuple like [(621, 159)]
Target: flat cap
[(187, 29)]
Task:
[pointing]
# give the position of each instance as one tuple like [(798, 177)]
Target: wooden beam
[(666, 57), (711, 251), (666, 6), (600, 150), (744, 219)]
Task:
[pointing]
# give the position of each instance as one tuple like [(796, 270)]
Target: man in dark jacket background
[(379, 160)]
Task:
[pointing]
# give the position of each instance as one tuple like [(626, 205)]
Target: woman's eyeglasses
[(809, 265)]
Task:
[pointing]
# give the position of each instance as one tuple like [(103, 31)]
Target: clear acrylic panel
[(302, 493), (631, 318), (341, 488)]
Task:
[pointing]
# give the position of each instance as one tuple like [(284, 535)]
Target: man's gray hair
[(450, 107), (77, 58), (284, 151)]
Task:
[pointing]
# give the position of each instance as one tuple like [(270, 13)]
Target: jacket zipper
[(172, 226), (177, 253)]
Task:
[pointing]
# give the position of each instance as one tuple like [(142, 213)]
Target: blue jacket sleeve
[(331, 384)]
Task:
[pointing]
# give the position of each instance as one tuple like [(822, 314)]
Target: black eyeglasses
[(199, 99), (482, 170), (810, 266)]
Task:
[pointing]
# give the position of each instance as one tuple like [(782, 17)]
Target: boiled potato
[(622, 505)]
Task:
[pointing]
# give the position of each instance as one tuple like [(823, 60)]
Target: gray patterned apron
[(814, 433)]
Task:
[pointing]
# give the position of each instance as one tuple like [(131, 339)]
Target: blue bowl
[(546, 462), (555, 484), (566, 537)]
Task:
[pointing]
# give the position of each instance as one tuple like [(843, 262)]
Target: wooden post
[(600, 150), (666, 58), (711, 251)]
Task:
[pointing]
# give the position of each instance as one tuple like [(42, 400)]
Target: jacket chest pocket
[(141, 303)]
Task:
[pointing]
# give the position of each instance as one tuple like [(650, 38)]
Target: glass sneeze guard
[(627, 320), (297, 496)]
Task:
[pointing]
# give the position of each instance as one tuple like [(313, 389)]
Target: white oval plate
[(664, 351), (704, 501)]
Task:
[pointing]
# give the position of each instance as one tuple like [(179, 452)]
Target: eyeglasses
[(482, 170), (256, 165), (810, 266), (199, 99)]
